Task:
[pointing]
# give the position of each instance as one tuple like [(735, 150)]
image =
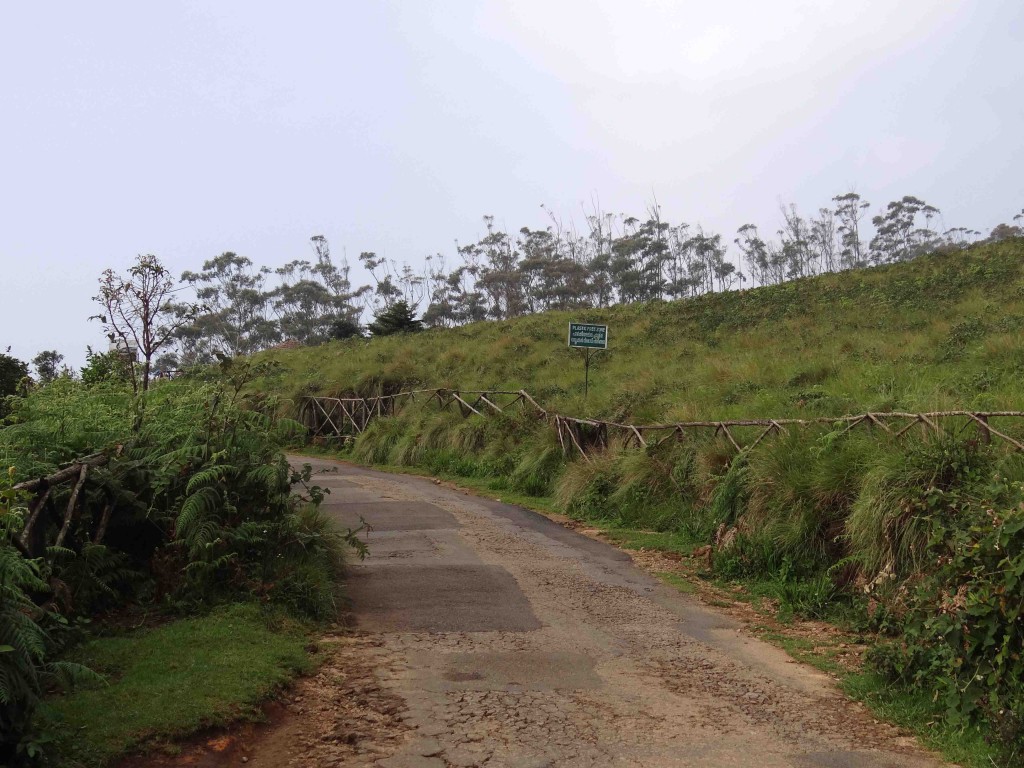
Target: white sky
[(188, 129)]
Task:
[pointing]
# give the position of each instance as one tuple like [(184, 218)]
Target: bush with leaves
[(12, 373), (399, 317), (962, 639), (235, 524), (195, 507), (26, 670), (106, 366)]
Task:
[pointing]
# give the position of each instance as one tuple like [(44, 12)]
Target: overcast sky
[(187, 129)]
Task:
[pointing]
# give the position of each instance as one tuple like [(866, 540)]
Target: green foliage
[(346, 328), (176, 679), (962, 638), (732, 493), (399, 317), (201, 511), (26, 670), (223, 489), (537, 469), (65, 420), (235, 310), (12, 373), (47, 365), (106, 367), (888, 524)]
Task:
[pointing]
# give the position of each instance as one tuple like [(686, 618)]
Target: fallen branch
[(72, 502), (63, 475)]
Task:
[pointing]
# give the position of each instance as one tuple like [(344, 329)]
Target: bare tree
[(140, 315)]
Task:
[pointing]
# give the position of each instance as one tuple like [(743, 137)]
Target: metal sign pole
[(586, 373), (590, 337)]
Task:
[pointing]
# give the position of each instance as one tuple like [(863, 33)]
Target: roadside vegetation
[(192, 559), (915, 540)]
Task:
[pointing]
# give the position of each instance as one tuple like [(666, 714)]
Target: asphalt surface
[(488, 635)]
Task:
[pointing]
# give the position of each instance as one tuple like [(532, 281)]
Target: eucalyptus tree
[(449, 303), (496, 261), (823, 239), (1005, 231), (304, 307), (764, 259), (680, 278), (394, 282), (580, 284), (551, 279), (311, 296), (849, 212), (710, 265), (600, 236), (899, 236), (958, 238), (540, 257), (236, 317), (639, 257), (795, 244)]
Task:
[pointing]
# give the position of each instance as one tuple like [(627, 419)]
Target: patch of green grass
[(917, 713), (679, 582), (663, 541), (176, 679), (805, 651)]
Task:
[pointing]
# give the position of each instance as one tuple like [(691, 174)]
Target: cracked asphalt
[(488, 635)]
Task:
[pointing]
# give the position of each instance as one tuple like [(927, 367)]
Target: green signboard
[(588, 336)]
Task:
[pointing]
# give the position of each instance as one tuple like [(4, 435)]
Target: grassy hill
[(921, 536), (937, 333)]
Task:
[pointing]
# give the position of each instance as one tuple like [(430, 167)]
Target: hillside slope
[(940, 332), (919, 534)]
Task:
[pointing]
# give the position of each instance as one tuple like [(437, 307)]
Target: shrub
[(26, 670), (541, 462), (887, 527), (963, 633), (203, 513), (584, 487)]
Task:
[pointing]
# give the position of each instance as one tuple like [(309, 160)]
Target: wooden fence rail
[(33, 539), (349, 416)]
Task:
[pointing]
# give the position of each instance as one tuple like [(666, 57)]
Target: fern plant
[(25, 669), (196, 502)]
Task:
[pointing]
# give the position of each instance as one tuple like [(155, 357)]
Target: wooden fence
[(42, 513), (349, 416), (340, 416)]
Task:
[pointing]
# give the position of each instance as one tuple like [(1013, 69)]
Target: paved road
[(491, 636)]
